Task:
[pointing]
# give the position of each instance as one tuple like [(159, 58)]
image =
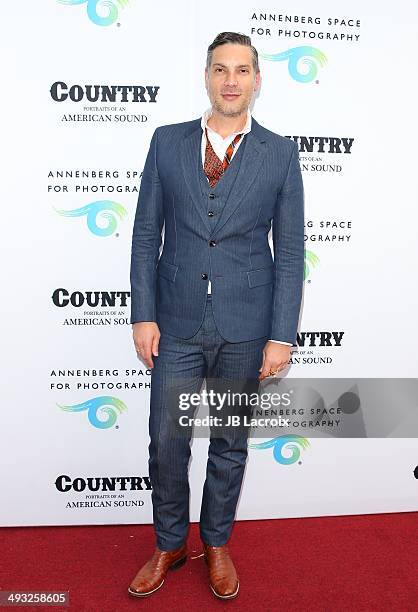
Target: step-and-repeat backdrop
[(85, 83)]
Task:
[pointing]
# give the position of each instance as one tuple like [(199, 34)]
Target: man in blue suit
[(214, 305)]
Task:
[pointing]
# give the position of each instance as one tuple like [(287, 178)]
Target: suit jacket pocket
[(167, 270), (260, 277)]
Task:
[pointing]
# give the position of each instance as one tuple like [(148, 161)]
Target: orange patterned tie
[(214, 167)]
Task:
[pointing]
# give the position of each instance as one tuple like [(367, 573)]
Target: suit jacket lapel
[(191, 157), (254, 152)]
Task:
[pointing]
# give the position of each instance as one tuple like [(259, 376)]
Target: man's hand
[(275, 358), (146, 335)]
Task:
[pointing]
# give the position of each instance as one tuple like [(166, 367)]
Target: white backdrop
[(64, 155)]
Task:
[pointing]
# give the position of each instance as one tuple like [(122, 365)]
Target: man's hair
[(235, 38)]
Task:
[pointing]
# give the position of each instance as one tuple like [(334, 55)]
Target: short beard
[(223, 110)]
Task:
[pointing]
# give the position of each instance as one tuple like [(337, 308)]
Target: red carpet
[(356, 563)]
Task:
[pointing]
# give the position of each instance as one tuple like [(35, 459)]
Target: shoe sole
[(234, 594), (176, 565)]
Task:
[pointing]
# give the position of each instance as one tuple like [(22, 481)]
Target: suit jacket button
[(212, 243), (210, 213), (211, 196), (204, 275)]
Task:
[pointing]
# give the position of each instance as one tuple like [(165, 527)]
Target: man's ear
[(206, 77), (257, 81)]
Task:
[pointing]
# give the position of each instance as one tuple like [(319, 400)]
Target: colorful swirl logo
[(290, 442), (106, 404), (111, 6), (106, 208), (297, 57), (311, 261)]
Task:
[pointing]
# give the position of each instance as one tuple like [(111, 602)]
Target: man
[(214, 305)]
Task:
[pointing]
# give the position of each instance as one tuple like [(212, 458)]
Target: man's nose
[(231, 80)]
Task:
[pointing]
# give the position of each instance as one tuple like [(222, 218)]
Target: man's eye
[(216, 70)]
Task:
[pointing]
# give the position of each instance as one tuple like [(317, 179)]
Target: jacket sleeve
[(288, 248), (146, 240)]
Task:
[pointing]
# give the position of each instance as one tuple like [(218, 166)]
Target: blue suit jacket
[(253, 295)]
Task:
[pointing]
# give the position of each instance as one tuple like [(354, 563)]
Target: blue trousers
[(183, 365)]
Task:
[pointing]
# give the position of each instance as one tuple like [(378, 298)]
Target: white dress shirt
[(220, 145)]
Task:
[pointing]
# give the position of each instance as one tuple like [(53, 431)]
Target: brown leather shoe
[(151, 575), (222, 574)]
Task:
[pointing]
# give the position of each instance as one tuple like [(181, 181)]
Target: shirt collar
[(207, 114)]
